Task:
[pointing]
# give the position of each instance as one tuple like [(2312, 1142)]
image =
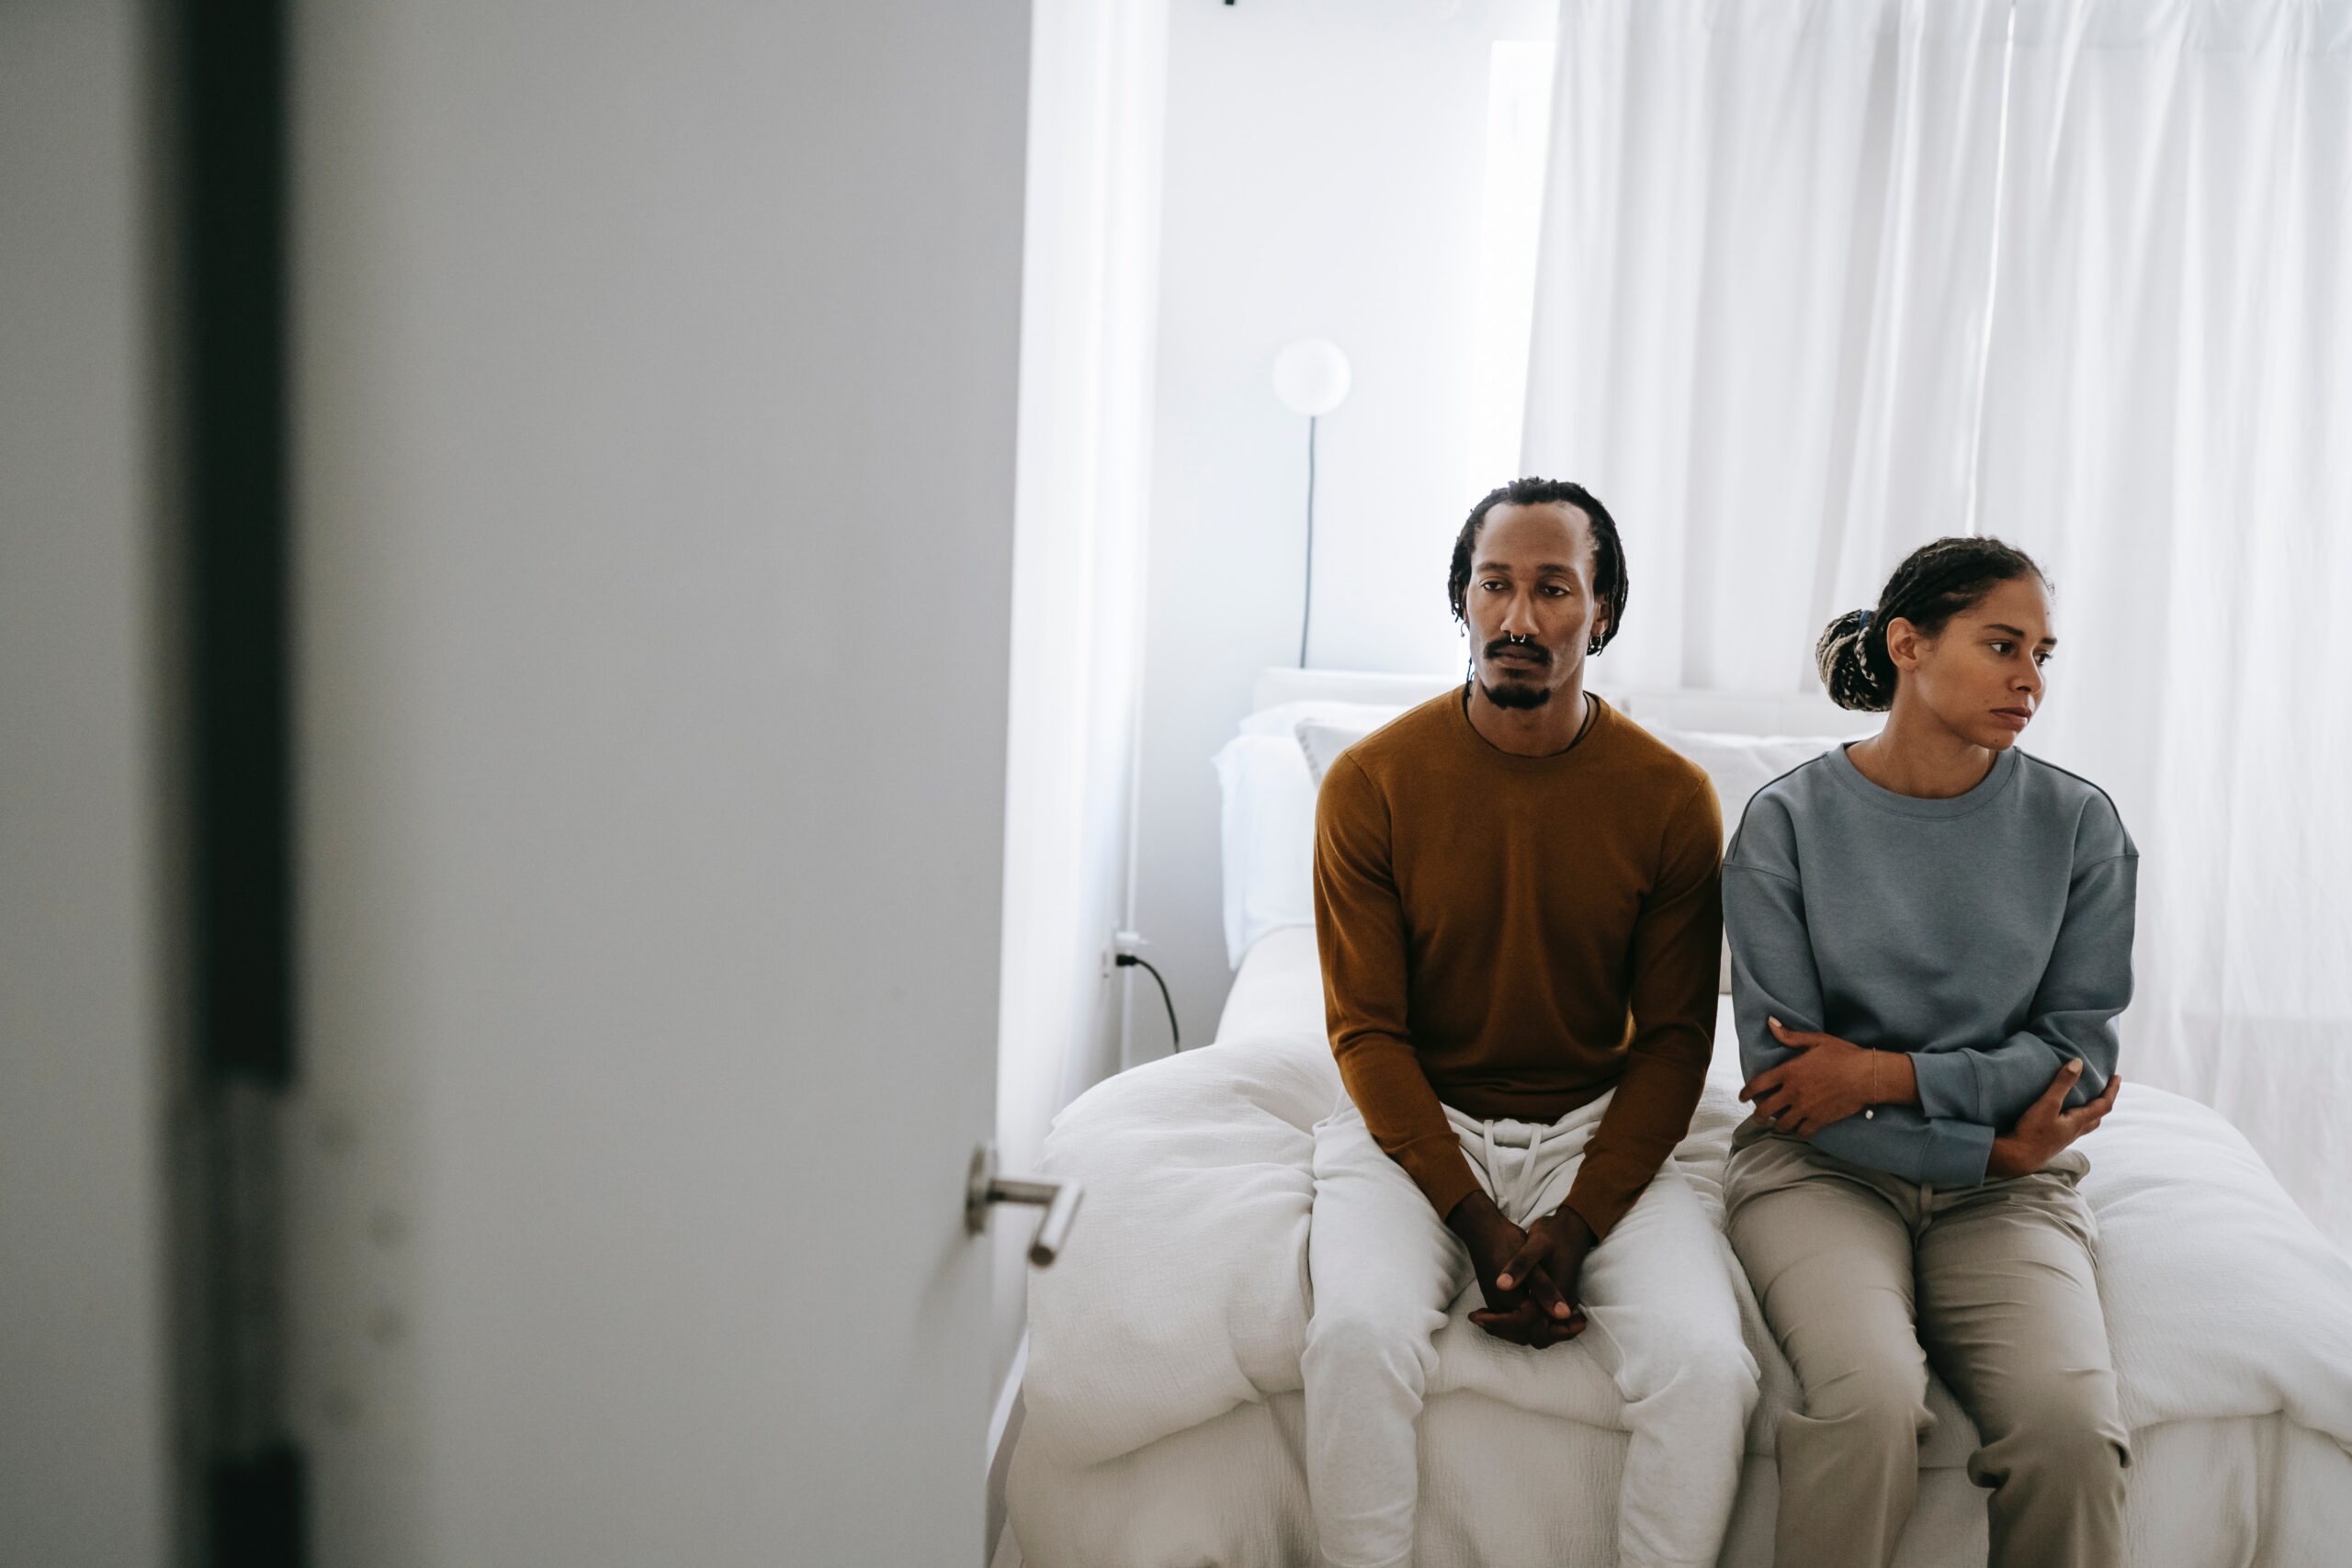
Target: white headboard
[(1724, 713)]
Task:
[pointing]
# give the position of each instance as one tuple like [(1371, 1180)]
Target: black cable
[(1307, 603), (1127, 961)]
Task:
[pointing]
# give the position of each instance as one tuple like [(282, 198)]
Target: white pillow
[(1283, 718), (1268, 835), (1739, 765), (1268, 777), (1324, 739), (1270, 773)]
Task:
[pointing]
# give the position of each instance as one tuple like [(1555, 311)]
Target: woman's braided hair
[(1608, 552), (1934, 584)]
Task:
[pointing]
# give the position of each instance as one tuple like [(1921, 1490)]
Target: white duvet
[(1183, 1293)]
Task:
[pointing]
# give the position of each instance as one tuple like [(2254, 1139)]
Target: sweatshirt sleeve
[(1675, 959), (1359, 932), (2087, 982), (1773, 975)]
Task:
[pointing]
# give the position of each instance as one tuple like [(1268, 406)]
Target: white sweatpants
[(1661, 1320)]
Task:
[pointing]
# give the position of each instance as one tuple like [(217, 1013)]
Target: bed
[(1163, 1413)]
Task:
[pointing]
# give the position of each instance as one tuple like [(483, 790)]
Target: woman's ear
[(1904, 644)]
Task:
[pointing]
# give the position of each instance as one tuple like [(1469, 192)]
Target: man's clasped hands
[(1528, 1276)]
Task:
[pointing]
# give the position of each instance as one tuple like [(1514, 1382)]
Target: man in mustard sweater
[(1518, 913)]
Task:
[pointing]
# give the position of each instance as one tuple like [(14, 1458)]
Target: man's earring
[(1592, 647)]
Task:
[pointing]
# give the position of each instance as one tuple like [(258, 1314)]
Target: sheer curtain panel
[(1821, 281), (1082, 495), (1759, 313), (2167, 426)]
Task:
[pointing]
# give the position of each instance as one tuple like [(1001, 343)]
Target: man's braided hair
[(1608, 553)]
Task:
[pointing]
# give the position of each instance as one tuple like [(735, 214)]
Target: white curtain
[(1082, 488), (2168, 428), (1759, 311), (1787, 333)]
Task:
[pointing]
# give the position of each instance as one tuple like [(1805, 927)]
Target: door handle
[(1058, 1199)]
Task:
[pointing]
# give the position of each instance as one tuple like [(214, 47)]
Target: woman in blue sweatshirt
[(1931, 936)]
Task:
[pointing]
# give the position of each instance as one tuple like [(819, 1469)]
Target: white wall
[(83, 1412), (1323, 178)]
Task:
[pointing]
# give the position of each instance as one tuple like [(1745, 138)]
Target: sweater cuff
[(1443, 1173), (1947, 1086), (1956, 1152), (1600, 1211)]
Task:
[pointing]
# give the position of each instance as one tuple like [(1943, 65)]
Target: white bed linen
[(1505, 1488), (1161, 1415)]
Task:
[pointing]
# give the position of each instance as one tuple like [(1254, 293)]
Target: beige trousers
[(1866, 1280)]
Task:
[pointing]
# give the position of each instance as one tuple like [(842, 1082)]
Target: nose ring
[(1514, 638)]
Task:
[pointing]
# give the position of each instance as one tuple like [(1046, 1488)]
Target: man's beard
[(1517, 696), (1510, 695)]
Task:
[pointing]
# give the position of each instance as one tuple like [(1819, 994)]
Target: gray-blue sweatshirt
[(1988, 935)]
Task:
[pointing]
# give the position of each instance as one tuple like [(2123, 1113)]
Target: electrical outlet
[(1124, 944)]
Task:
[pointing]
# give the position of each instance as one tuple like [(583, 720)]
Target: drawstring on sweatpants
[(1494, 1170), (1513, 1202)]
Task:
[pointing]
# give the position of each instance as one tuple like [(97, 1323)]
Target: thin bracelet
[(1869, 1112)]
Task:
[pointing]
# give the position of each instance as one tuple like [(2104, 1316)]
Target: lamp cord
[(1306, 606), (1129, 961)]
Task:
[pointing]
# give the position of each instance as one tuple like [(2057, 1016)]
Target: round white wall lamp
[(1311, 377)]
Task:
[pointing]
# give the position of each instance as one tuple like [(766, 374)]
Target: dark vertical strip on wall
[(233, 242), (236, 421)]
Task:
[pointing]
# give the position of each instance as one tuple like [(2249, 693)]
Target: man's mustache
[(1534, 651)]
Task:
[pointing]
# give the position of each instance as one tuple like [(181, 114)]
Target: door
[(654, 383)]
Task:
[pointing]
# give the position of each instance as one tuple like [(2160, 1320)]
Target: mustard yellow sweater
[(1514, 936)]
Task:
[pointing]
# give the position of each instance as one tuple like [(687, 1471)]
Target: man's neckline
[(1593, 720)]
